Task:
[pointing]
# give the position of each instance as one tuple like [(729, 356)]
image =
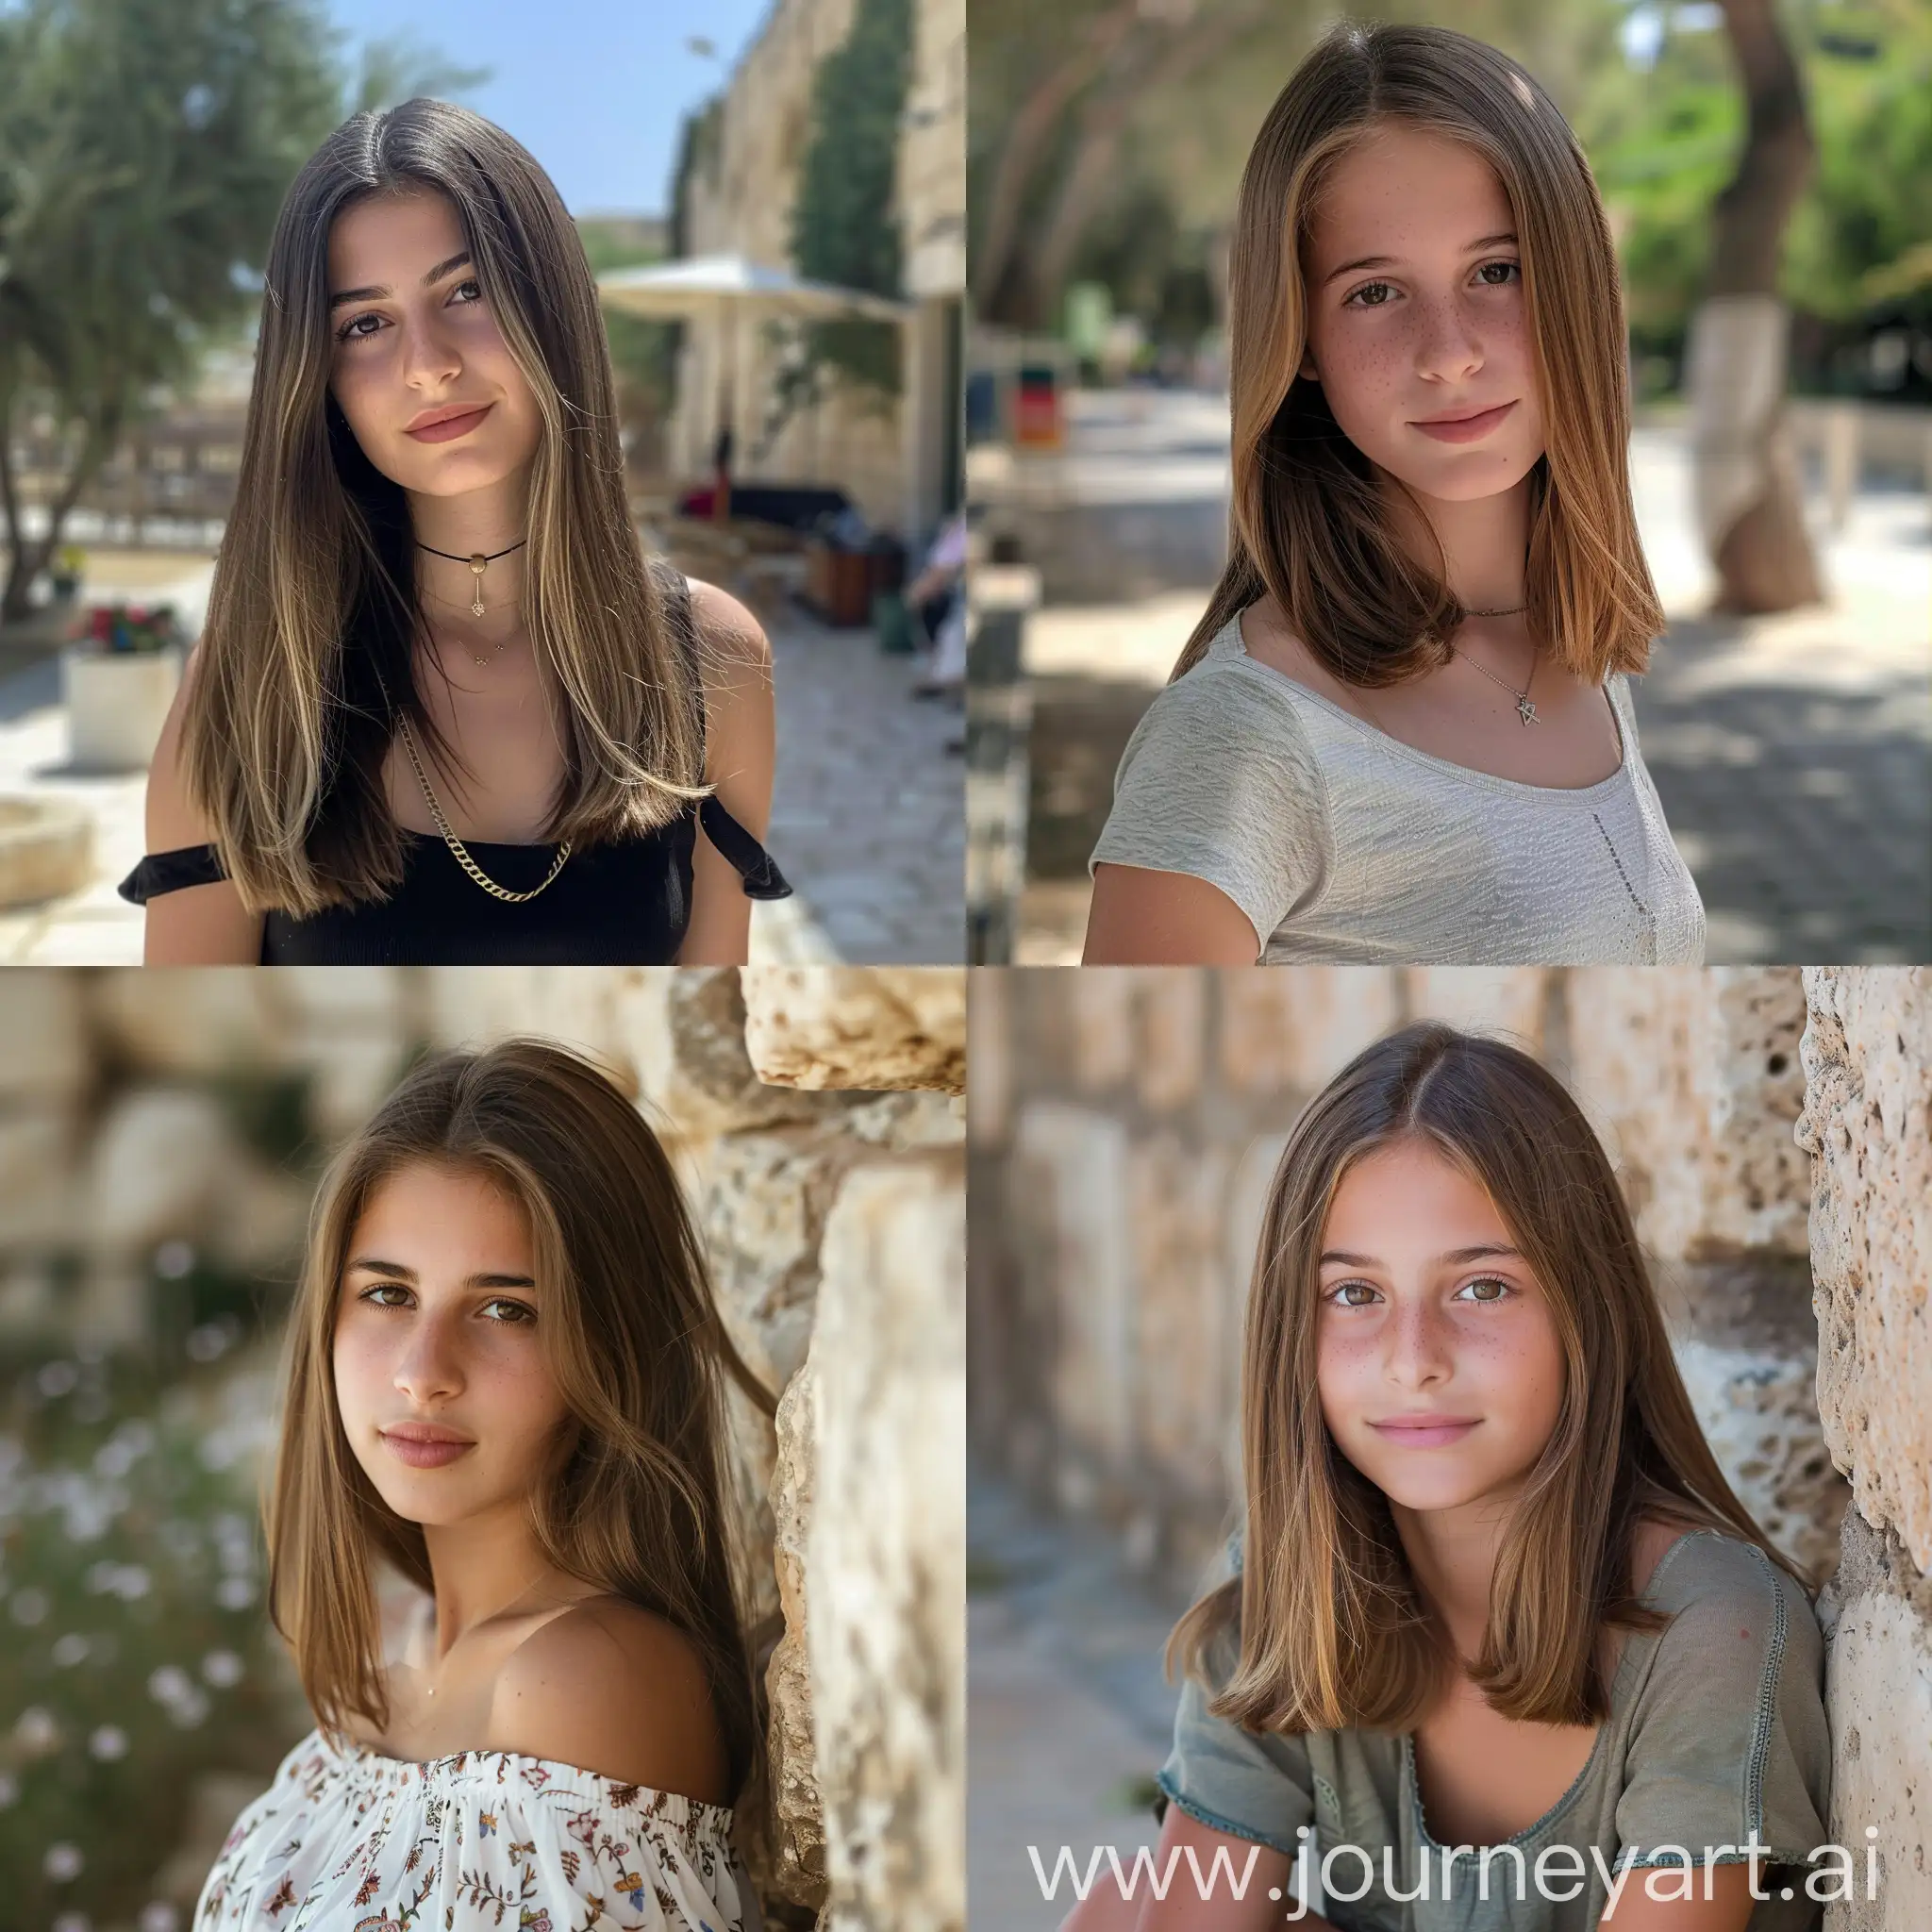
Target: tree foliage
[(845, 229), (145, 146)]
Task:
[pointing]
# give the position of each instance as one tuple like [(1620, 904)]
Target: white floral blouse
[(348, 1840)]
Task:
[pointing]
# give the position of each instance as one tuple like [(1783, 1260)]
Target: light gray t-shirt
[(1717, 1727), (1344, 845)]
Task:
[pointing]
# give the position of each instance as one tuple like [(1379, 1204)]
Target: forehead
[(1410, 1194), (1404, 192), (392, 238), (441, 1220)]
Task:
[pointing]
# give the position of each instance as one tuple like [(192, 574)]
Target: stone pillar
[(1867, 1126)]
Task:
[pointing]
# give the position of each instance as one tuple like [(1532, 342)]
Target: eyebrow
[(368, 1264), (1394, 261), (429, 281), (1483, 1251)]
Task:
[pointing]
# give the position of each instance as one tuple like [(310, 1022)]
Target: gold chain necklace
[(456, 844)]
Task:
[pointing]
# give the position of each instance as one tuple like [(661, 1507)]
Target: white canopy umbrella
[(732, 293)]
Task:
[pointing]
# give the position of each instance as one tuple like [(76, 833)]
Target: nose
[(429, 1370), (1417, 1348), (1447, 348), (429, 356)]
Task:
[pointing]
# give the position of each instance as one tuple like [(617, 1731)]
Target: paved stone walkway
[(867, 817), (1068, 1716), (1793, 754)]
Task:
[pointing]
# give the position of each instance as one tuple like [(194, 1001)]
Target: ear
[(1307, 372)]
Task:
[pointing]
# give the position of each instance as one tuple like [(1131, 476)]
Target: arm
[(1141, 917), (1104, 1910), (740, 754), (1727, 1909), (613, 1689), (199, 925)]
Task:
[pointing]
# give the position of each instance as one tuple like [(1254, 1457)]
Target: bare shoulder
[(732, 634), (614, 1689)]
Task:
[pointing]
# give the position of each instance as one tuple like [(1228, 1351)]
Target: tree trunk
[(30, 559), (1749, 503)]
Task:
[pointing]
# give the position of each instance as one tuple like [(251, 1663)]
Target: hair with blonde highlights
[(304, 665), (1309, 521), (641, 1507), (1333, 1632)]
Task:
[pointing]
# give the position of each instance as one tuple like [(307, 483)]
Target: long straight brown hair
[(304, 666), (1309, 521), (1333, 1631), (629, 1330)]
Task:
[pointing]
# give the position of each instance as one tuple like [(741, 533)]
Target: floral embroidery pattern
[(474, 1841)]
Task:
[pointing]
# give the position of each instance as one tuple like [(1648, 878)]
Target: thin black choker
[(476, 560)]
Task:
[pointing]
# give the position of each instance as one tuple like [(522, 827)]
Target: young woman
[(506, 1378), (1402, 731), (1497, 1593), (441, 710)]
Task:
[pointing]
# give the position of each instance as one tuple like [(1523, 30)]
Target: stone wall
[(815, 1117), (1867, 1126), (1124, 1126), (883, 454)]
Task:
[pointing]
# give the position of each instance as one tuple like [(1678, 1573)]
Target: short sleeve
[(1219, 781), (1253, 1786), (1729, 1735)]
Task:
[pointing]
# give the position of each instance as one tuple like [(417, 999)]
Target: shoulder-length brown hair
[(631, 1331), (1309, 522), (1333, 1631), (303, 666)]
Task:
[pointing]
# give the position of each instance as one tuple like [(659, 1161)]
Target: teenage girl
[(1499, 1628), (505, 1379), (1403, 732), (443, 710)]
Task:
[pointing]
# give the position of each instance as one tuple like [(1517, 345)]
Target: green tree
[(145, 146), (843, 224)]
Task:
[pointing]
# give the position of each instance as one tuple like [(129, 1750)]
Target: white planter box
[(117, 701)]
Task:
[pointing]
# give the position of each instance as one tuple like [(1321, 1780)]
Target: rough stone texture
[(1868, 1127), (798, 1862), (884, 1026), (885, 1554)]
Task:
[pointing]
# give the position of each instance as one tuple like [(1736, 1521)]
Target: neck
[(1453, 1556), (1484, 545), (481, 1568), (479, 522)]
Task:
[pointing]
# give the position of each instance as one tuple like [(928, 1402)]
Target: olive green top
[(1716, 1729)]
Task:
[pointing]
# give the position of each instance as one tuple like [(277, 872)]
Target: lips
[(442, 425), (1467, 428), (1424, 1432), (426, 1445)]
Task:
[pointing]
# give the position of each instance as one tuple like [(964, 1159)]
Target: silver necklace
[(1524, 710)]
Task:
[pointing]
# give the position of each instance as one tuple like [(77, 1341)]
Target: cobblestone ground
[(1793, 754), (867, 816), (1068, 1716)]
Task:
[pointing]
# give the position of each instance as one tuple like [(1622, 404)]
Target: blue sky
[(594, 89)]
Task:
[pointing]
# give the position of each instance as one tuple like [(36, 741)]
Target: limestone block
[(764, 1216), (1173, 1022), (1186, 1356), (1867, 1127), (1694, 1079), (797, 1864), (1511, 1001), (856, 1026), (1759, 1412), (186, 1020), (1878, 1690), (36, 1185), (575, 1008), (1292, 1032), (43, 1042), (886, 1552), (1071, 1245)]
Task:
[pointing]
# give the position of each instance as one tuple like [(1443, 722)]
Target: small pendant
[(1526, 710), (476, 564)]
